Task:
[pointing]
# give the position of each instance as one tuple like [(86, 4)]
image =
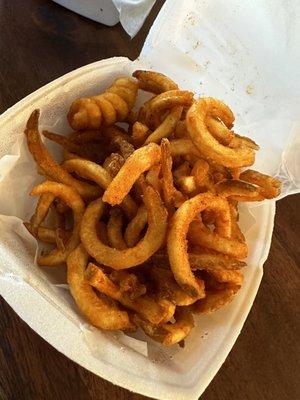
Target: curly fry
[(101, 311), (105, 109)]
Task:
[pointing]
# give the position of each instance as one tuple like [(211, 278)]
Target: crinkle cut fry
[(100, 310), (105, 109)]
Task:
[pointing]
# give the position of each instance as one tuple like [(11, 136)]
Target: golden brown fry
[(74, 201), (100, 310), (113, 163), (187, 184), (102, 232), (180, 131), (128, 283), (169, 289), (154, 82), (105, 109), (125, 148), (182, 147), (168, 100), (89, 170), (238, 190), (206, 143), (200, 172), (114, 229), (200, 235), (239, 141), (171, 195), (44, 234), (219, 130), (41, 211), (215, 299), (136, 225), (166, 128), (152, 177), (49, 165), (140, 161), (91, 150), (140, 132), (147, 307), (148, 245), (208, 261), (269, 187), (177, 243), (171, 333), (83, 137), (184, 169), (64, 142)]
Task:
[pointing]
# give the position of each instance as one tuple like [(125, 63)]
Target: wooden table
[(39, 42)]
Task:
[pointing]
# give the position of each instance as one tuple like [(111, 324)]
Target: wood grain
[(39, 42)]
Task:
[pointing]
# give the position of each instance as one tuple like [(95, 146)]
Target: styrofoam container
[(40, 296), (103, 11)]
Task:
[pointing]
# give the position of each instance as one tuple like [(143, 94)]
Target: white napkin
[(133, 14)]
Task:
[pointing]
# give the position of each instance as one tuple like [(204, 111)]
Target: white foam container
[(103, 11), (172, 47)]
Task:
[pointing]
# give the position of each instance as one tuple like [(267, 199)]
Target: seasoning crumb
[(206, 64), (249, 89), (197, 44)]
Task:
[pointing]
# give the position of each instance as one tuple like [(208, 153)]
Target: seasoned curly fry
[(161, 196), (135, 227), (200, 235), (206, 143), (74, 201), (140, 132), (89, 170), (154, 82), (114, 229), (49, 165), (140, 161), (105, 109), (148, 245), (177, 244), (147, 307), (169, 289), (100, 310), (268, 187), (169, 334), (166, 128)]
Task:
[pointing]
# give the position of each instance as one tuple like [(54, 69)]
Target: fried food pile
[(146, 218)]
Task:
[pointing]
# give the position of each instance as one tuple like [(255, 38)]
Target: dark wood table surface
[(40, 41)]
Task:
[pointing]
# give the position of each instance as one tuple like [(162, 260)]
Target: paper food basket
[(222, 49)]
